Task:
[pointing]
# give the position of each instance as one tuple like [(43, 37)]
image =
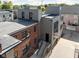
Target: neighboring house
[(30, 13), (70, 10), (35, 13), (23, 13), (70, 13), (26, 32), (52, 10), (70, 17), (6, 16), (51, 27)]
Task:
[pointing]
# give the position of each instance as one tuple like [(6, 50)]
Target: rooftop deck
[(6, 40), (25, 22), (9, 27), (67, 45)]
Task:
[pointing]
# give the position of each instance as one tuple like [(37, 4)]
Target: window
[(15, 15), (3, 16), (34, 28), (23, 14), (25, 50), (15, 36), (62, 18), (16, 54), (30, 15), (25, 34), (35, 41), (1, 56), (4, 55), (78, 20), (56, 27), (61, 26), (9, 15)]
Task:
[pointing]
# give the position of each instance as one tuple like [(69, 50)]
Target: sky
[(38, 2)]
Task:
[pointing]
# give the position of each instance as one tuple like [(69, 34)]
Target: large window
[(56, 27)]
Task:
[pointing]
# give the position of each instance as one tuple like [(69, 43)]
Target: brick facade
[(31, 41)]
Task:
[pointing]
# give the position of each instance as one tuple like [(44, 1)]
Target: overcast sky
[(38, 2)]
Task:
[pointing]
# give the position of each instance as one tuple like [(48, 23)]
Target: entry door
[(23, 14), (47, 37)]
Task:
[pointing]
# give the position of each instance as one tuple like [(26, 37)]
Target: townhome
[(70, 17), (6, 16), (51, 27), (30, 13), (23, 30)]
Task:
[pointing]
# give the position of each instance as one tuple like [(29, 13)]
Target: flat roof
[(6, 28), (50, 15), (4, 11), (8, 42), (9, 27), (53, 14)]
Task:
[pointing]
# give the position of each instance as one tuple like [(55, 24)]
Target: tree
[(7, 5), (16, 7), (0, 5), (10, 5), (62, 4)]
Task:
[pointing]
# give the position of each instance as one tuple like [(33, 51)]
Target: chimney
[(0, 48)]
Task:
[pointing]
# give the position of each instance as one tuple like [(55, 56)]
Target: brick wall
[(32, 41)]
